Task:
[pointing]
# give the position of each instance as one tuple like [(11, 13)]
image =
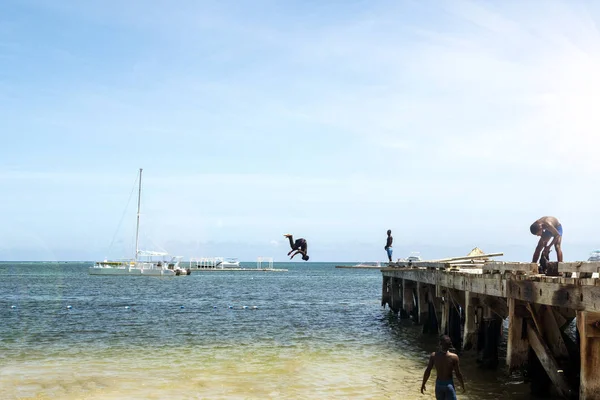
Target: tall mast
[(137, 228)]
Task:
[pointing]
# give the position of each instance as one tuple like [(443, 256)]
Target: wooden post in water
[(517, 349), (491, 338), (385, 291), (470, 328), (431, 324), (422, 305), (402, 314), (407, 296), (588, 324), (395, 302), (445, 315), (539, 308)]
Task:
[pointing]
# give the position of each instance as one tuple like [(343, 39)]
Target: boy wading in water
[(445, 363), (299, 246)]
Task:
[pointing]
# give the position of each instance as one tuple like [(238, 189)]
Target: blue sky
[(455, 124)]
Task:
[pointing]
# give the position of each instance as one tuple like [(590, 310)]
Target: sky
[(453, 123)]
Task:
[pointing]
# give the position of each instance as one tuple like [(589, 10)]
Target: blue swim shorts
[(444, 390), (389, 252)]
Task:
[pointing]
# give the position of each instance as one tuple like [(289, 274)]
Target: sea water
[(314, 332)]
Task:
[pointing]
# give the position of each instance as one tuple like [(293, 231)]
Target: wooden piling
[(517, 350), (407, 296), (403, 314), (454, 325), (470, 327), (422, 304), (395, 303), (588, 325), (385, 292), (491, 338), (538, 307)]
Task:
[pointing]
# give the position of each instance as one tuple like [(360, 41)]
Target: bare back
[(549, 221), (445, 363)]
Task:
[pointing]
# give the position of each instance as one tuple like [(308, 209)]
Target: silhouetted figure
[(299, 246), (388, 245)]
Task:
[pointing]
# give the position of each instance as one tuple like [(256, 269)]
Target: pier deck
[(470, 303)]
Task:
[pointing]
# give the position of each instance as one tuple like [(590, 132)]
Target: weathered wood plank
[(419, 264), (581, 298), (457, 296), (548, 362), (528, 268), (491, 284), (587, 324), (385, 292), (497, 305), (407, 296), (544, 318), (517, 350), (395, 303), (470, 257), (527, 288), (422, 304), (470, 330), (445, 316), (580, 266)]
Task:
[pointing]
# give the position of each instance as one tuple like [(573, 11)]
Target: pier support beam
[(403, 313), (517, 349), (395, 303), (470, 329), (431, 325), (540, 332), (489, 338), (588, 325), (552, 332), (422, 304), (408, 304), (454, 325), (550, 365), (442, 293), (385, 291)]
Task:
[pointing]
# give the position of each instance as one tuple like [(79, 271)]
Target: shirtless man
[(445, 363), (388, 245), (550, 232), (299, 246)]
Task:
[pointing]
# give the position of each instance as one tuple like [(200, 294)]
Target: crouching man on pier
[(550, 232), (445, 363)]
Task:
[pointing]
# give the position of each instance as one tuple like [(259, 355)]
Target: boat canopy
[(148, 253)]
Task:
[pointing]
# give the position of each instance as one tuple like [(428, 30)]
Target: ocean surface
[(317, 333)]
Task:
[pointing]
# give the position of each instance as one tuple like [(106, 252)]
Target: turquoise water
[(316, 332)]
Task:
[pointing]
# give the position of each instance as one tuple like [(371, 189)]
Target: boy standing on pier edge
[(549, 229), (445, 363), (388, 245)]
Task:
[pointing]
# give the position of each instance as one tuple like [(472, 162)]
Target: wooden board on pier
[(584, 295)]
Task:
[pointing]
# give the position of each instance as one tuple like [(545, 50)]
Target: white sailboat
[(145, 263)]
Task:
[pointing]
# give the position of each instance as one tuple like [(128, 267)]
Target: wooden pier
[(470, 304)]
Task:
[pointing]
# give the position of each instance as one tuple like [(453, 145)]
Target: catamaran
[(145, 263)]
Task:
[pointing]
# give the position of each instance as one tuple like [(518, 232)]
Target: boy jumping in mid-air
[(299, 246)]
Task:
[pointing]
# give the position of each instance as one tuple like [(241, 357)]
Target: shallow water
[(317, 332)]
